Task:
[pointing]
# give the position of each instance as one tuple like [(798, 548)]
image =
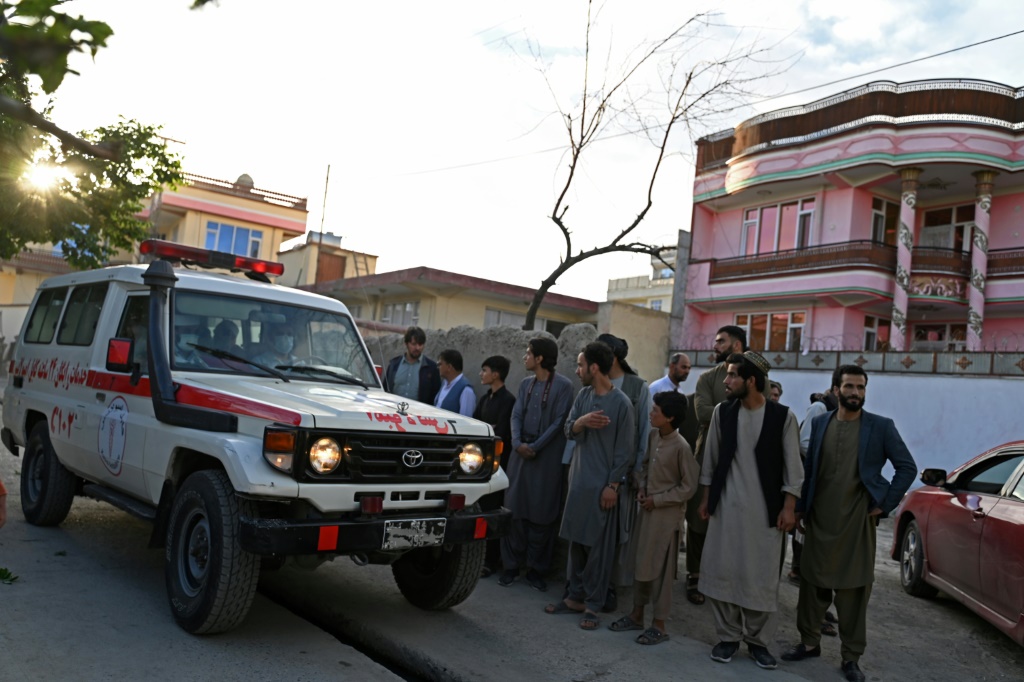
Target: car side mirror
[(119, 355), (934, 477)]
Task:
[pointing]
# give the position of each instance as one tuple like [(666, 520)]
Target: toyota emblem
[(412, 458), (403, 408)]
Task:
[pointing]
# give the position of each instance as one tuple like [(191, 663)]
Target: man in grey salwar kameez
[(601, 423), (753, 474)]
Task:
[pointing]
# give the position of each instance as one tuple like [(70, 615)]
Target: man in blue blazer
[(844, 494), (413, 375)]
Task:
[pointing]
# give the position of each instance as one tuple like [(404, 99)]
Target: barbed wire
[(998, 342)]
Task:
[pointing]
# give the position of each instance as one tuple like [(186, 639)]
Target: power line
[(610, 136)]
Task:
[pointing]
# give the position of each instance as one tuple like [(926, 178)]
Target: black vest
[(768, 453)]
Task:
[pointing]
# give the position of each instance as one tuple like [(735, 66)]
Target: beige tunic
[(839, 550), (743, 554), (669, 475)]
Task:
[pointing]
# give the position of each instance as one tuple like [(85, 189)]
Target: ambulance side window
[(79, 325), (43, 322), (135, 325)]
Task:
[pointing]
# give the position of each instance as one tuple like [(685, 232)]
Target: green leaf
[(6, 577)]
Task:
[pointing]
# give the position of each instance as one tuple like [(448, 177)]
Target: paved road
[(89, 604)]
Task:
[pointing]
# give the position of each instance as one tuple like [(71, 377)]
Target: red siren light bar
[(210, 259)]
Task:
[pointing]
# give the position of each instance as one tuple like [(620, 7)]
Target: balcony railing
[(944, 261), (828, 257), (1001, 262), (1005, 263), (243, 190), (46, 260)]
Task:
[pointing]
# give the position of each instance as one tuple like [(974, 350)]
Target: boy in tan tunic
[(667, 480)]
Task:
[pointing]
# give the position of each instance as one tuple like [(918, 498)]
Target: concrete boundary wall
[(478, 344), (944, 420)]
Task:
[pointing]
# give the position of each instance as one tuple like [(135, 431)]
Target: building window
[(656, 304), (402, 314), (503, 318), (781, 227), (356, 311), (240, 241), (885, 221), (876, 333), (948, 228), (940, 337), (664, 273), (773, 331)]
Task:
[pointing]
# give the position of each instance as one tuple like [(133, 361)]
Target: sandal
[(829, 630), (794, 578), (692, 593), (589, 621), (830, 617), (652, 635), (559, 608), (625, 623)]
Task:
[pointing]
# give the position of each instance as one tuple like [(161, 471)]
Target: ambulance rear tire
[(47, 488)]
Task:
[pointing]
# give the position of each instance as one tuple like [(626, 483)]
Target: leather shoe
[(852, 671), (800, 652)]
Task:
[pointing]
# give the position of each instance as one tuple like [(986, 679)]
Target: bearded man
[(844, 494)]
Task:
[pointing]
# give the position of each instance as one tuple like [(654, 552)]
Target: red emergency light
[(210, 259)]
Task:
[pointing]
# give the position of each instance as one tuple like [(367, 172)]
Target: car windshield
[(215, 333)]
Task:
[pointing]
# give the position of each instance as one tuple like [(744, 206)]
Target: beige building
[(437, 299), (652, 291), (320, 258), (236, 217)]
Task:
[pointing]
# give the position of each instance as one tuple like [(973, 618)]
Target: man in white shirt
[(456, 395), (678, 371)]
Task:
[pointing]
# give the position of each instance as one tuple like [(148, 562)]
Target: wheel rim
[(34, 476), (908, 563), (194, 553)]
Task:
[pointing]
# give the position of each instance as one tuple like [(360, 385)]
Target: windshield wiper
[(217, 353), (311, 369)]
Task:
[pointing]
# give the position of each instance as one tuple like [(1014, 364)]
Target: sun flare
[(44, 176)]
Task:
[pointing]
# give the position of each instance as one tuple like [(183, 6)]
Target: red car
[(963, 533)]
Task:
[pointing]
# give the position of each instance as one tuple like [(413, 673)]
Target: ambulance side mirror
[(119, 355)]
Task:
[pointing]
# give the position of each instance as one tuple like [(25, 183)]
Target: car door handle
[(978, 513)]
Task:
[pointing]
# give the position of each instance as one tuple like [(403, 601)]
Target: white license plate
[(413, 533)]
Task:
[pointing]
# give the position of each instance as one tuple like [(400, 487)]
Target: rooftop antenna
[(323, 214)]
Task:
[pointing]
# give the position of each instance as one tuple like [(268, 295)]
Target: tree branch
[(22, 112)]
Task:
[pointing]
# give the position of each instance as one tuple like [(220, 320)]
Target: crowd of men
[(615, 470)]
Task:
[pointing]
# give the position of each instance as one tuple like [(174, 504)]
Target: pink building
[(885, 219)]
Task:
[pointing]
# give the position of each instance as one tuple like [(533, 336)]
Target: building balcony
[(861, 254), (243, 188), (956, 102), (46, 261)]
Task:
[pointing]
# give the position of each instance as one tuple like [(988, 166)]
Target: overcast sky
[(437, 119)]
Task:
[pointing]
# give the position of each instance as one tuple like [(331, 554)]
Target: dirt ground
[(908, 638)]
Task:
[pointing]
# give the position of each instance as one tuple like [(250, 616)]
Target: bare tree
[(693, 93)]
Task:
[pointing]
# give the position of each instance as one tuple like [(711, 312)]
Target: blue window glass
[(241, 247), (211, 235), (225, 238)]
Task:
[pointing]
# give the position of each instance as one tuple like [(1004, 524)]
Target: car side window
[(79, 324), (990, 476), (43, 322), (135, 325)]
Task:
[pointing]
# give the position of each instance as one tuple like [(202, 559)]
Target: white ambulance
[(247, 422)]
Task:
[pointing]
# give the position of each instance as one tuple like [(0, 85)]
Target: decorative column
[(979, 258), (904, 253)]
